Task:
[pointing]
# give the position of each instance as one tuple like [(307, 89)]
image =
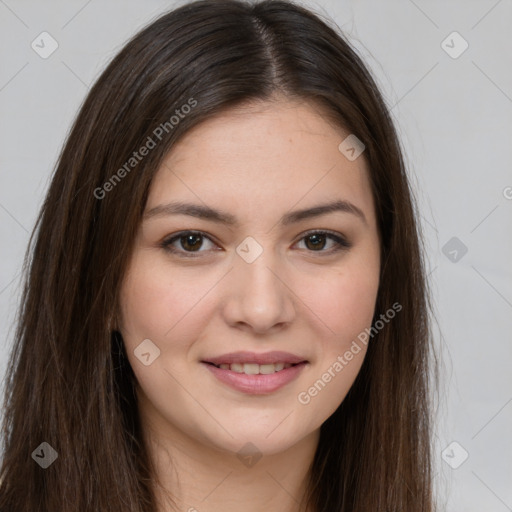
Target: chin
[(248, 438)]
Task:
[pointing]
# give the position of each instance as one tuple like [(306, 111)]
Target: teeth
[(266, 369), (255, 369), (251, 369)]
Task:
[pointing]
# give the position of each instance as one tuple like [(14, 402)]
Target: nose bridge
[(257, 294)]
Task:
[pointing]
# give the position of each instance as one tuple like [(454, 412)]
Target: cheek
[(347, 308), (157, 304), (345, 304), (166, 308)]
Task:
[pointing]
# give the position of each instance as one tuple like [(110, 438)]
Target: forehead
[(268, 156)]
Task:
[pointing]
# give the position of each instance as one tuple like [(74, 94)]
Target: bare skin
[(300, 295)]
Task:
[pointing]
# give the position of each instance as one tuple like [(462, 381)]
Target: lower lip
[(256, 384)]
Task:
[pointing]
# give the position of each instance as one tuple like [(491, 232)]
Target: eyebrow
[(222, 217)]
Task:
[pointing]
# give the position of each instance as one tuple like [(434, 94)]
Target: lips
[(256, 358), (253, 373)]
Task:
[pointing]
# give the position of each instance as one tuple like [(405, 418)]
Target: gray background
[(454, 117)]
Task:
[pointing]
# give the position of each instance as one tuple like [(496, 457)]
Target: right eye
[(190, 242)]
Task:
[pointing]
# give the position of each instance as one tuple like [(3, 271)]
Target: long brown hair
[(69, 383)]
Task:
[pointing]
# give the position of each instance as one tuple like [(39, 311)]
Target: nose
[(259, 298)]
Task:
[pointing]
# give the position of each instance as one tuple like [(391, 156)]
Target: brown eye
[(315, 241), (318, 240), (192, 242), (186, 243)]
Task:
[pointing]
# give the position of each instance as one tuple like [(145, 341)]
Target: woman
[(225, 302)]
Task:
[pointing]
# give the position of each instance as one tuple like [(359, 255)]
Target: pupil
[(316, 238), (187, 238)]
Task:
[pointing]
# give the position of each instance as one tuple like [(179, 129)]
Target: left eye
[(188, 239), (191, 242)]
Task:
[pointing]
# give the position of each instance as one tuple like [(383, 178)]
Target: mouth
[(254, 373), (254, 368)]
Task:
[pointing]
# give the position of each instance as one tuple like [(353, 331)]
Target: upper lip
[(255, 358)]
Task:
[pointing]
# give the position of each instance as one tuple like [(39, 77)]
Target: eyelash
[(341, 243)]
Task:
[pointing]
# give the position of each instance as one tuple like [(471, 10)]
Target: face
[(238, 312)]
